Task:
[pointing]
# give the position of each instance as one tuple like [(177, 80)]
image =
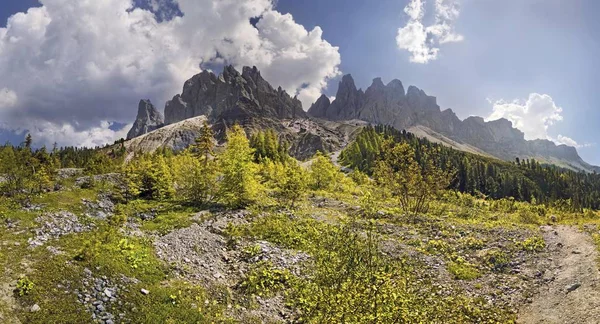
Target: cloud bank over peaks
[(423, 42), (533, 116), (73, 67)]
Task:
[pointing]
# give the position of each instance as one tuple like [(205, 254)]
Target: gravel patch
[(56, 225), (103, 208), (99, 296)]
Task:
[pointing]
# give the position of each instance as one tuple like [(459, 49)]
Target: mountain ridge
[(389, 104), (248, 99)]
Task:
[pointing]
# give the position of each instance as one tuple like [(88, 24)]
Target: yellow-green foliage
[(195, 179), (240, 185), (264, 280), (149, 176), (291, 185), (463, 271), (24, 286), (533, 244), (496, 259), (323, 173), (438, 247), (411, 184), (472, 243)]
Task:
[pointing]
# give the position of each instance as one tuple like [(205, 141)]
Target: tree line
[(524, 180)]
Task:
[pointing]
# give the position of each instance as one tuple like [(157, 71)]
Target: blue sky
[(509, 50)]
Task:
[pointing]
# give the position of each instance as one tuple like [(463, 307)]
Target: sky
[(73, 71)]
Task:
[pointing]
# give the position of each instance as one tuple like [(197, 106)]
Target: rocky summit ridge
[(248, 99), (232, 96), (413, 109), (148, 119)]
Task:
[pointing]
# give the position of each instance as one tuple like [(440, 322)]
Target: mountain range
[(248, 99)]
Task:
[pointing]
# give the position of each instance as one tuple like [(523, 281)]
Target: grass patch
[(463, 271), (67, 200)]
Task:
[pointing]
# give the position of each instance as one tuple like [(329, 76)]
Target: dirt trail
[(7, 304), (572, 292)]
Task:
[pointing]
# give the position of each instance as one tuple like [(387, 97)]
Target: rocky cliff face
[(231, 96), (245, 98), (391, 105), (147, 120)]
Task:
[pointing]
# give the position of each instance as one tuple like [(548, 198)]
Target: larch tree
[(239, 185)]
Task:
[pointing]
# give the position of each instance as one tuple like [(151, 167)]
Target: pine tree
[(132, 181), (291, 186), (204, 143), (239, 186), (196, 180), (162, 179), (323, 173), (28, 141)]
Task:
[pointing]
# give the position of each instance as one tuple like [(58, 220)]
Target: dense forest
[(524, 180)]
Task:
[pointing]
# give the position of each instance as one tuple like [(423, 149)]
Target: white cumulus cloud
[(8, 98), (422, 41), (570, 142), (76, 65), (533, 117)]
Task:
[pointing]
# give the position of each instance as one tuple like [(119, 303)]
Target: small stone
[(101, 308), (144, 291), (573, 287), (35, 308), (108, 293)]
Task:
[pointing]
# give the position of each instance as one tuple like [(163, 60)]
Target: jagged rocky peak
[(231, 97), (419, 100), (319, 108), (347, 85), (396, 85), (148, 119), (391, 105), (377, 84)]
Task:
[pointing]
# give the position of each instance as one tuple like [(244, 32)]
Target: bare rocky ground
[(572, 290), (201, 253), (7, 303)]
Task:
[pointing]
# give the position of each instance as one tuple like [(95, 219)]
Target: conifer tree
[(204, 142), (323, 173), (28, 141), (196, 180), (292, 185), (239, 186), (162, 179)]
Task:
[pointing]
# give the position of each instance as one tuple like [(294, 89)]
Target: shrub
[(472, 243), (528, 217), (463, 271), (497, 260), (251, 251), (264, 280), (438, 246), (24, 286), (533, 244)]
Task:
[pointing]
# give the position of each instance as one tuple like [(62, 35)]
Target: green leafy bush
[(264, 280), (472, 243), (24, 286), (496, 259), (463, 271), (533, 244)]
